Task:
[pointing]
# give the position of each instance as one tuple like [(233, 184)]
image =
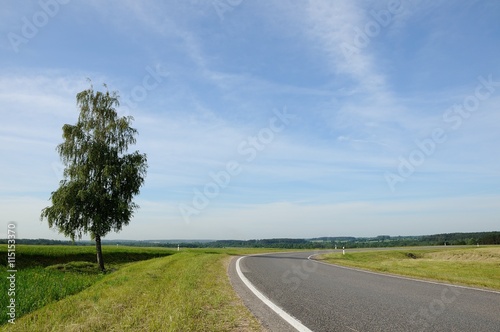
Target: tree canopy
[(100, 177)]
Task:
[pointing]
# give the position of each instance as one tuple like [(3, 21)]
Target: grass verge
[(188, 291), (46, 274), (479, 267)]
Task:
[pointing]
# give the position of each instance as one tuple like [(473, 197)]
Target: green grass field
[(59, 288), (474, 266), (51, 273)]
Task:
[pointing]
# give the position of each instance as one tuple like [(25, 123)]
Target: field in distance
[(472, 266), (60, 288)]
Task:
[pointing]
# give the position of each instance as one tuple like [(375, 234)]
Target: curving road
[(321, 297)]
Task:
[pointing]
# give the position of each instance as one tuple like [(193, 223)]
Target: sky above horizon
[(265, 118)]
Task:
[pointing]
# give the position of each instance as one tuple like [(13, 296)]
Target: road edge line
[(279, 311), (443, 283)]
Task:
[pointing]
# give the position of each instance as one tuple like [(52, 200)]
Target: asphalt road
[(331, 298)]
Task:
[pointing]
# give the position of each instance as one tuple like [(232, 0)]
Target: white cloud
[(352, 122)]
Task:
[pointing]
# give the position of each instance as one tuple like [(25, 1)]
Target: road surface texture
[(321, 297)]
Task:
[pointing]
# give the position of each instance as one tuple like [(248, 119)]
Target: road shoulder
[(268, 318)]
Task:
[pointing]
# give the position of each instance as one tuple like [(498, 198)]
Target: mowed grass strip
[(188, 291), (475, 266)]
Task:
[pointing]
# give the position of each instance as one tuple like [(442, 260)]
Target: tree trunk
[(98, 248)]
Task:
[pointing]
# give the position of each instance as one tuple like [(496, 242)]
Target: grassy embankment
[(474, 266), (50, 273), (186, 291)]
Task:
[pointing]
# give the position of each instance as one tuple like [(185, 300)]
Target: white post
[(178, 247), (343, 250)]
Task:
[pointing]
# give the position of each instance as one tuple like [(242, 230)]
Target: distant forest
[(481, 238)]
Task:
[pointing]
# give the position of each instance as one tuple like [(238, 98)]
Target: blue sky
[(266, 118)]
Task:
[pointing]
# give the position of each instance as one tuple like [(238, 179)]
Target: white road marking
[(288, 318)]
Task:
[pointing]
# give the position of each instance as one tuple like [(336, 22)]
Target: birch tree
[(101, 179)]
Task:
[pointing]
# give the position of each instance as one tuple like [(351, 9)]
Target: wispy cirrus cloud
[(360, 104)]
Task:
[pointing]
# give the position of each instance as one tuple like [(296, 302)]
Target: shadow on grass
[(26, 260), (76, 267)]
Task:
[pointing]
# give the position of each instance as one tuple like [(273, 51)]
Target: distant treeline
[(481, 238)]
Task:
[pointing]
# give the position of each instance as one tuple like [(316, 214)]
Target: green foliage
[(483, 238), (100, 178), (348, 242)]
